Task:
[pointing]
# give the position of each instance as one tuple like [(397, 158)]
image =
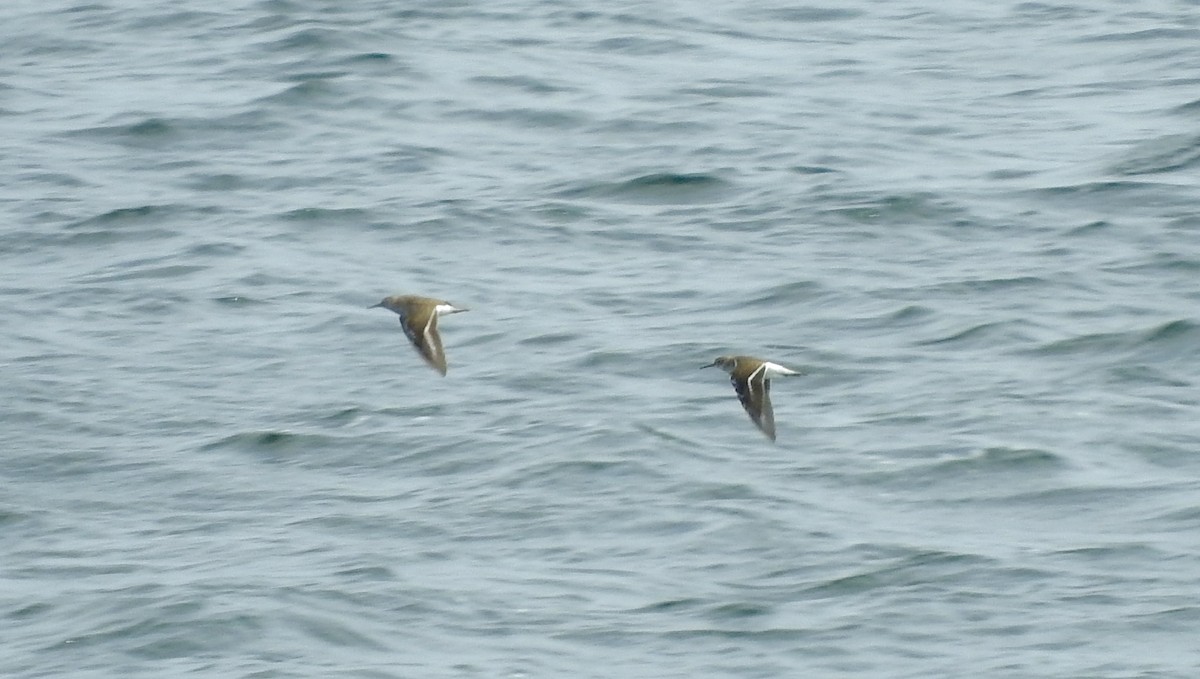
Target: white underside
[(443, 309), (775, 370)]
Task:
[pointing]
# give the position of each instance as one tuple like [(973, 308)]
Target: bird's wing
[(754, 391), (421, 329)]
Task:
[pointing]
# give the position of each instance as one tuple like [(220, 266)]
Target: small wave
[(774, 635), (536, 118), (737, 610), (578, 473), (134, 272), (1175, 339), (705, 492), (1144, 374), (1150, 35), (908, 316), (669, 606), (894, 208), (8, 517), (814, 169), (788, 293), (1002, 284), (263, 438), (343, 417), (645, 46), (309, 38), (1165, 154), (1042, 12), (1088, 188), (269, 443), (983, 465), (146, 133), (1134, 552), (315, 88), (1098, 226), (139, 223), (549, 339), (151, 127), (368, 574), (1173, 331), (1079, 496), (657, 189), (127, 215), (218, 182), (1112, 195), (1001, 458), (984, 334), (370, 57), (812, 14), (1178, 336), (727, 91), (1189, 516), (1189, 108), (327, 215), (912, 312), (913, 568), (520, 82), (157, 132), (238, 300)]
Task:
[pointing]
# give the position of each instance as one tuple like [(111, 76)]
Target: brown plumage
[(751, 379), (418, 318)]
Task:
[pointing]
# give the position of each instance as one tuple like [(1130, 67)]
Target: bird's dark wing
[(754, 391), (420, 326)]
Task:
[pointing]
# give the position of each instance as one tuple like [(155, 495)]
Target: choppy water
[(972, 225)]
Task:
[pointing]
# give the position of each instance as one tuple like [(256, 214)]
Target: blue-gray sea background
[(972, 225)]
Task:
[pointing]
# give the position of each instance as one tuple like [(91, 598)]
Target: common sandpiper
[(751, 378), (418, 317)]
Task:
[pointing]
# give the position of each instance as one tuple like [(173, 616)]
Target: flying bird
[(751, 378), (418, 317)]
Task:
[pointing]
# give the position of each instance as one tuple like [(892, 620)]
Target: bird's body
[(418, 318), (751, 378)]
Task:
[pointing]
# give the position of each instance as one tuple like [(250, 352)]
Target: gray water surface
[(972, 226)]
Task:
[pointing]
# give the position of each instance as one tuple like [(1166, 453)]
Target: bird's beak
[(375, 305), (708, 366)]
